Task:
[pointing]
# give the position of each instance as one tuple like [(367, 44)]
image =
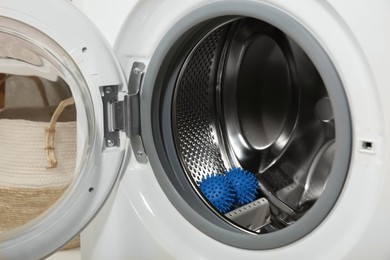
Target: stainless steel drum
[(248, 96)]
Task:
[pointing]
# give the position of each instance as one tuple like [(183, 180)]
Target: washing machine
[(292, 94)]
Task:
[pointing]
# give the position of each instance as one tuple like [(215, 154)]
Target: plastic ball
[(245, 185), (218, 191)]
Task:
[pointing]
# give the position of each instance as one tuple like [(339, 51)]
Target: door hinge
[(124, 115), (115, 111)]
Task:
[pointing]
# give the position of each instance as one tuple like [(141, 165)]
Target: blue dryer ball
[(245, 185), (218, 191)]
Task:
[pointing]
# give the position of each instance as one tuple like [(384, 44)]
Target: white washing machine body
[(156, 211), (142, 221)]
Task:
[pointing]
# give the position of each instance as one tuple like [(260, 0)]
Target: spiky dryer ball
[(218, 191), (245, 185)]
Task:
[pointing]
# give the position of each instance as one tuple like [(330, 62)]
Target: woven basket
[(37, 161)]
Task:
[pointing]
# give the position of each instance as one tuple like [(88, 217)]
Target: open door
[(61, 151)]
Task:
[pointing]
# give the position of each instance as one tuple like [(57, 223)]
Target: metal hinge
[(124, 115), (115, 112)]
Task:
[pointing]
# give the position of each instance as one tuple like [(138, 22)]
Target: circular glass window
[(249, 129), (43, 137)]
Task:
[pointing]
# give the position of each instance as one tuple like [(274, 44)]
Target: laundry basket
[(37, 154)]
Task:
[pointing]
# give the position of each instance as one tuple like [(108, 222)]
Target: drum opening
[(250, 106)]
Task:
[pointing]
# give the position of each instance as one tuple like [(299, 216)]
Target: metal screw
[(139, 154), (137, 71), (110, 143), (108, 90)]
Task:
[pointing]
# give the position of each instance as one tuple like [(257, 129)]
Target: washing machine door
[(60, 159)]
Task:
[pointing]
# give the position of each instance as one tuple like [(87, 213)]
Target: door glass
[(40, 127)]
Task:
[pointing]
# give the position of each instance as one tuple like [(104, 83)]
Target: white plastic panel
[(108, 16)]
